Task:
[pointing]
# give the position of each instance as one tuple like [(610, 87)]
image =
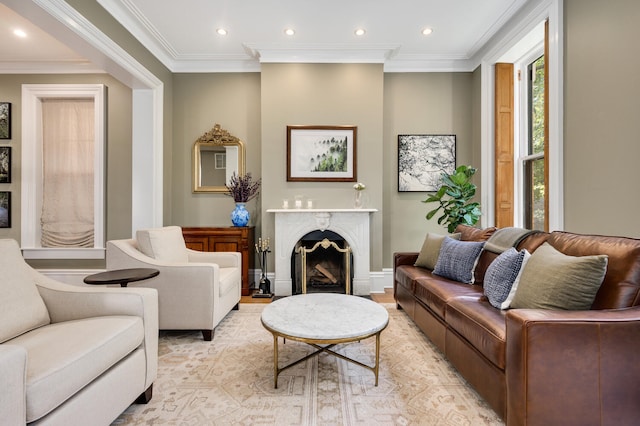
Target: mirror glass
[(216, 156)]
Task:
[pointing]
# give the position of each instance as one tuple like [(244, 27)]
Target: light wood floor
[(387, 297)]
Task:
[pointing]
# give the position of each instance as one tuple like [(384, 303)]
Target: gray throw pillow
[(428, 256), (503, 275), (553, 280), (458, 260)]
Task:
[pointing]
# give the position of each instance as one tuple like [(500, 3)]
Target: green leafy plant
[(454, 197)]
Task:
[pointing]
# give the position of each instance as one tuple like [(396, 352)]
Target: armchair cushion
[(67, 356), (21, 307), (165, 244)]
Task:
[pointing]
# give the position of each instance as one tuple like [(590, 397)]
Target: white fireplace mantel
[(292, 224)]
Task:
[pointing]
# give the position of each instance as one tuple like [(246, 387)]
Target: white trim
[(148, 92), (32, 179), (532, 14)]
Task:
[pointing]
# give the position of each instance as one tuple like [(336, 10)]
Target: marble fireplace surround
[(292, 224)]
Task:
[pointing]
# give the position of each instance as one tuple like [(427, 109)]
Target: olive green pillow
[(553, 280), (428, 256)]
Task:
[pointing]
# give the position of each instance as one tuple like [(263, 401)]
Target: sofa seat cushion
[(406, 276), (229, 280), (64, 357), (435, 292), (480, 324)]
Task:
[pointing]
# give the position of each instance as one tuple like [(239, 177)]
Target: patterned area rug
[(229, 381)]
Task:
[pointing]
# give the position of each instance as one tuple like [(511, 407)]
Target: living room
[(599, 103)]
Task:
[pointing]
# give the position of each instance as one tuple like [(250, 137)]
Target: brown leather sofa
[(533, 366)]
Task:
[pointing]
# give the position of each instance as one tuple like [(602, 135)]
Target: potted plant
[(454, 197), (243, 189)]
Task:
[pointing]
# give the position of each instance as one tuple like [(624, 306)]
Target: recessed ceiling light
[(20, 33), (427, 31), (221, 31), (359, 32), (289, 31)]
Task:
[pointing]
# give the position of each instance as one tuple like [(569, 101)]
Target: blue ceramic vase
[(240, 215)]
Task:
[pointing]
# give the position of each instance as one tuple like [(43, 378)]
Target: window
[(77, 242), (532, 152)]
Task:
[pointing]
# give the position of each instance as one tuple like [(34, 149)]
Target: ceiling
[(182, 35)]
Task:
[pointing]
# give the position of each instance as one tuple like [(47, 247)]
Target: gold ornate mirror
[(216, 156)]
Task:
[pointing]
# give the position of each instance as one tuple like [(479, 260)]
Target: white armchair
[(71, 355), (196, 290)]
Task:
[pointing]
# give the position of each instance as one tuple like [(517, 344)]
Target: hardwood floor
[(387, 297)]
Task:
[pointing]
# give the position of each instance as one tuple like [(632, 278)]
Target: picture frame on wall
[(5, 120), (422, 159), (5, 209), (5, 164), (321, 153)]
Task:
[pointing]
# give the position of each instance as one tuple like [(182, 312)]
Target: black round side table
[(121, 276)]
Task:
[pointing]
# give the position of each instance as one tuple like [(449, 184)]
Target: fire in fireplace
[(321, 262)]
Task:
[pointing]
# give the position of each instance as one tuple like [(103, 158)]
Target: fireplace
[(352, 225), (321, 262)]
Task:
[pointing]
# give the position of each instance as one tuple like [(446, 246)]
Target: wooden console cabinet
[(226, 238)]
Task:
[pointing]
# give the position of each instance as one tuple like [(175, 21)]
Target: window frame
[(31, 192)]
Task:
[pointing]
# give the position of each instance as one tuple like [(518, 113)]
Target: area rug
[(229, 381)]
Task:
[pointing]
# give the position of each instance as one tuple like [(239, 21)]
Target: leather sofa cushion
[(22, 309), (65, 357), (621, 285), (482, 325), (406, 276), (435, 292)]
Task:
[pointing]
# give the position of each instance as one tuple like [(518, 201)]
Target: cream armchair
[(71, 355), (196, 290)]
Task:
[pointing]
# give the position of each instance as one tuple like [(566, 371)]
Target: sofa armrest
[(404, 258), (13, 379), (66, 302), (578, 365), (224, 259)]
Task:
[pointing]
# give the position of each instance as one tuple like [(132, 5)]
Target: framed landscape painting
[(5, 164), (5, 120), (5, 209), (321, 153), (422, 159)]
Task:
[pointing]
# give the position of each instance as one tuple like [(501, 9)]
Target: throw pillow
[(21, 308), (503, 275), (553, 280), (458, 259), (165, 244), (428, 256)]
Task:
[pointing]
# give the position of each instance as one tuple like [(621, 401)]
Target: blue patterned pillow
[(457, 259), (502, 277)]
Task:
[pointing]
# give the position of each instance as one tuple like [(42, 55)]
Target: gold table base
[(329, 344)]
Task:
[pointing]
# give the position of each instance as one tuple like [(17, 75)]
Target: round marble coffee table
[(324, 319)]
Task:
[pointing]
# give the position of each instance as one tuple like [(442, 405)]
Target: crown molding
[(49, 67)]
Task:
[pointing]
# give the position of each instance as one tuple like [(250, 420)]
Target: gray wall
[(201, 101), (118, 153), (421, 103), (602, 108), (323, 94)]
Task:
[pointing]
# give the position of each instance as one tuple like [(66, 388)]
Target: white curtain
[(67, 157)]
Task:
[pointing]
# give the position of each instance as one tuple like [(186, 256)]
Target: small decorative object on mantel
[(359, 187), (243, 189), (264, 289)]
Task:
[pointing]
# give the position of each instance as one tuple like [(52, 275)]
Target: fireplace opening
[(321, 262)]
